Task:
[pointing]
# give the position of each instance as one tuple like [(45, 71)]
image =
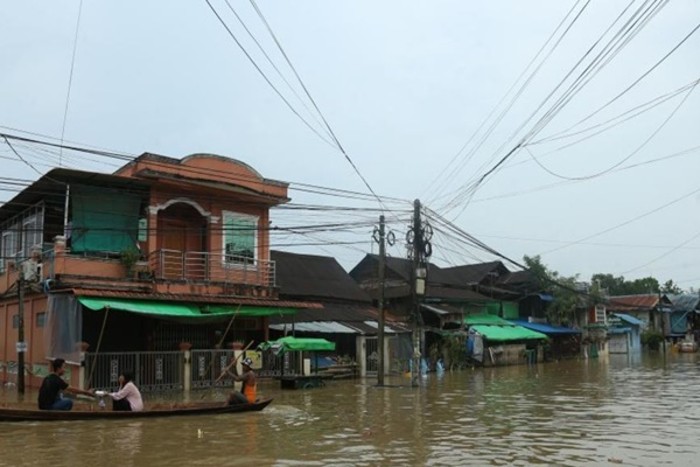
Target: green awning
[(305, 344), (495, 328), (507, 333), (181, 310), (485, 318)]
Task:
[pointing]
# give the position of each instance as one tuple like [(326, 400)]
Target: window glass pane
[(239, 236)]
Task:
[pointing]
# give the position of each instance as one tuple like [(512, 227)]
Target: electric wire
[(313, 101), (510, 105), (631, 28), (624, 159), (264, 76), (70, 79), (622, 224)]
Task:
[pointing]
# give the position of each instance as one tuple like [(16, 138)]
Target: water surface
[(639, 411)]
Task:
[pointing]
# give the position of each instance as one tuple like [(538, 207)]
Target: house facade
[(348, 317), (455, 295), (163, 253)]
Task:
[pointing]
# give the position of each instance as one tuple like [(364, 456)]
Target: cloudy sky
[(425, 97)]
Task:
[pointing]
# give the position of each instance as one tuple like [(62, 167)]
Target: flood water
[(635, 411)]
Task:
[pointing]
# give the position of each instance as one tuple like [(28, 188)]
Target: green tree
[(646, 285), (614, 285), (617, 285), (671, 287), (563, 289)]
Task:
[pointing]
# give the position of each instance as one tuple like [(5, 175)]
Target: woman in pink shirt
[(128, 397)]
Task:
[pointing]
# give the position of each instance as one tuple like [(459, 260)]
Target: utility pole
[(419, 238), (21, 346), (380, 331), (382, 238)]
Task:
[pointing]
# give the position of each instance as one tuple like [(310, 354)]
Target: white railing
[(213, 267)]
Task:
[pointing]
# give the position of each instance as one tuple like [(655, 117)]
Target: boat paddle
[(235, 360)]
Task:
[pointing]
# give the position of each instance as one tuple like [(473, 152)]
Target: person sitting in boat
[(53, 386), (249, 388), (128, 398)]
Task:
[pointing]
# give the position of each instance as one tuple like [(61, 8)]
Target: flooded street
[(642, 411)]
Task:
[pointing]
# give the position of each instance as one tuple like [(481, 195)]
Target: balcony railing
[(211, 267)]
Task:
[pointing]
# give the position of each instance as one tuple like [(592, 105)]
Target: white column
[(361, 355), (187, 384)]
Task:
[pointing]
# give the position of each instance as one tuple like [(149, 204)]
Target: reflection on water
[(640, 410)]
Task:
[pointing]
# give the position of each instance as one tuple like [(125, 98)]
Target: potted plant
[(129, 257), (184, 346), (237, 345)]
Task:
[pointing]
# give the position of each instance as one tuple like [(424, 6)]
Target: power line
[(299, 186), (567, 182), (313, 101), (624, 159), (510, 105), (271, 62), (617, 120), (663, 255), (630, 29), (262, 73), (70, 79), (622, 224)]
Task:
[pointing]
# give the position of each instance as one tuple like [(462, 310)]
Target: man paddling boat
[(248, 393)]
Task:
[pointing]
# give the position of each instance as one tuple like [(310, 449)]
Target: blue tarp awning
[(629, 319), (546, 328), (619, 330)]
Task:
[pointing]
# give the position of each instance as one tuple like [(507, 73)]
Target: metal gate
[(153, 371), (371, 355), (207, 366)]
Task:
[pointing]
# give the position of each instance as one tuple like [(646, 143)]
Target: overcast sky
[(404, 85)]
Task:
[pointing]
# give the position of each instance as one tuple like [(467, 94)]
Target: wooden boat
[(163, 410)]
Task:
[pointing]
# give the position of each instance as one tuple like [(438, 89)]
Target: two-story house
[(162, 253)]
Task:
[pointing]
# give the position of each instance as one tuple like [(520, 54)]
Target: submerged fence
[(153, 371), (177, 371)]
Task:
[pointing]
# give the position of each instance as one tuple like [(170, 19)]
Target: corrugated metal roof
[(545, 328), (685, 302), (629, 319), (640, 301), (337, 312), (84, 292), (53, 184), (323, 327), (336, 327)]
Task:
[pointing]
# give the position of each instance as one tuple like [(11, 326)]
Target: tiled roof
[(474, 273), (312, 276), (228, 300)]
